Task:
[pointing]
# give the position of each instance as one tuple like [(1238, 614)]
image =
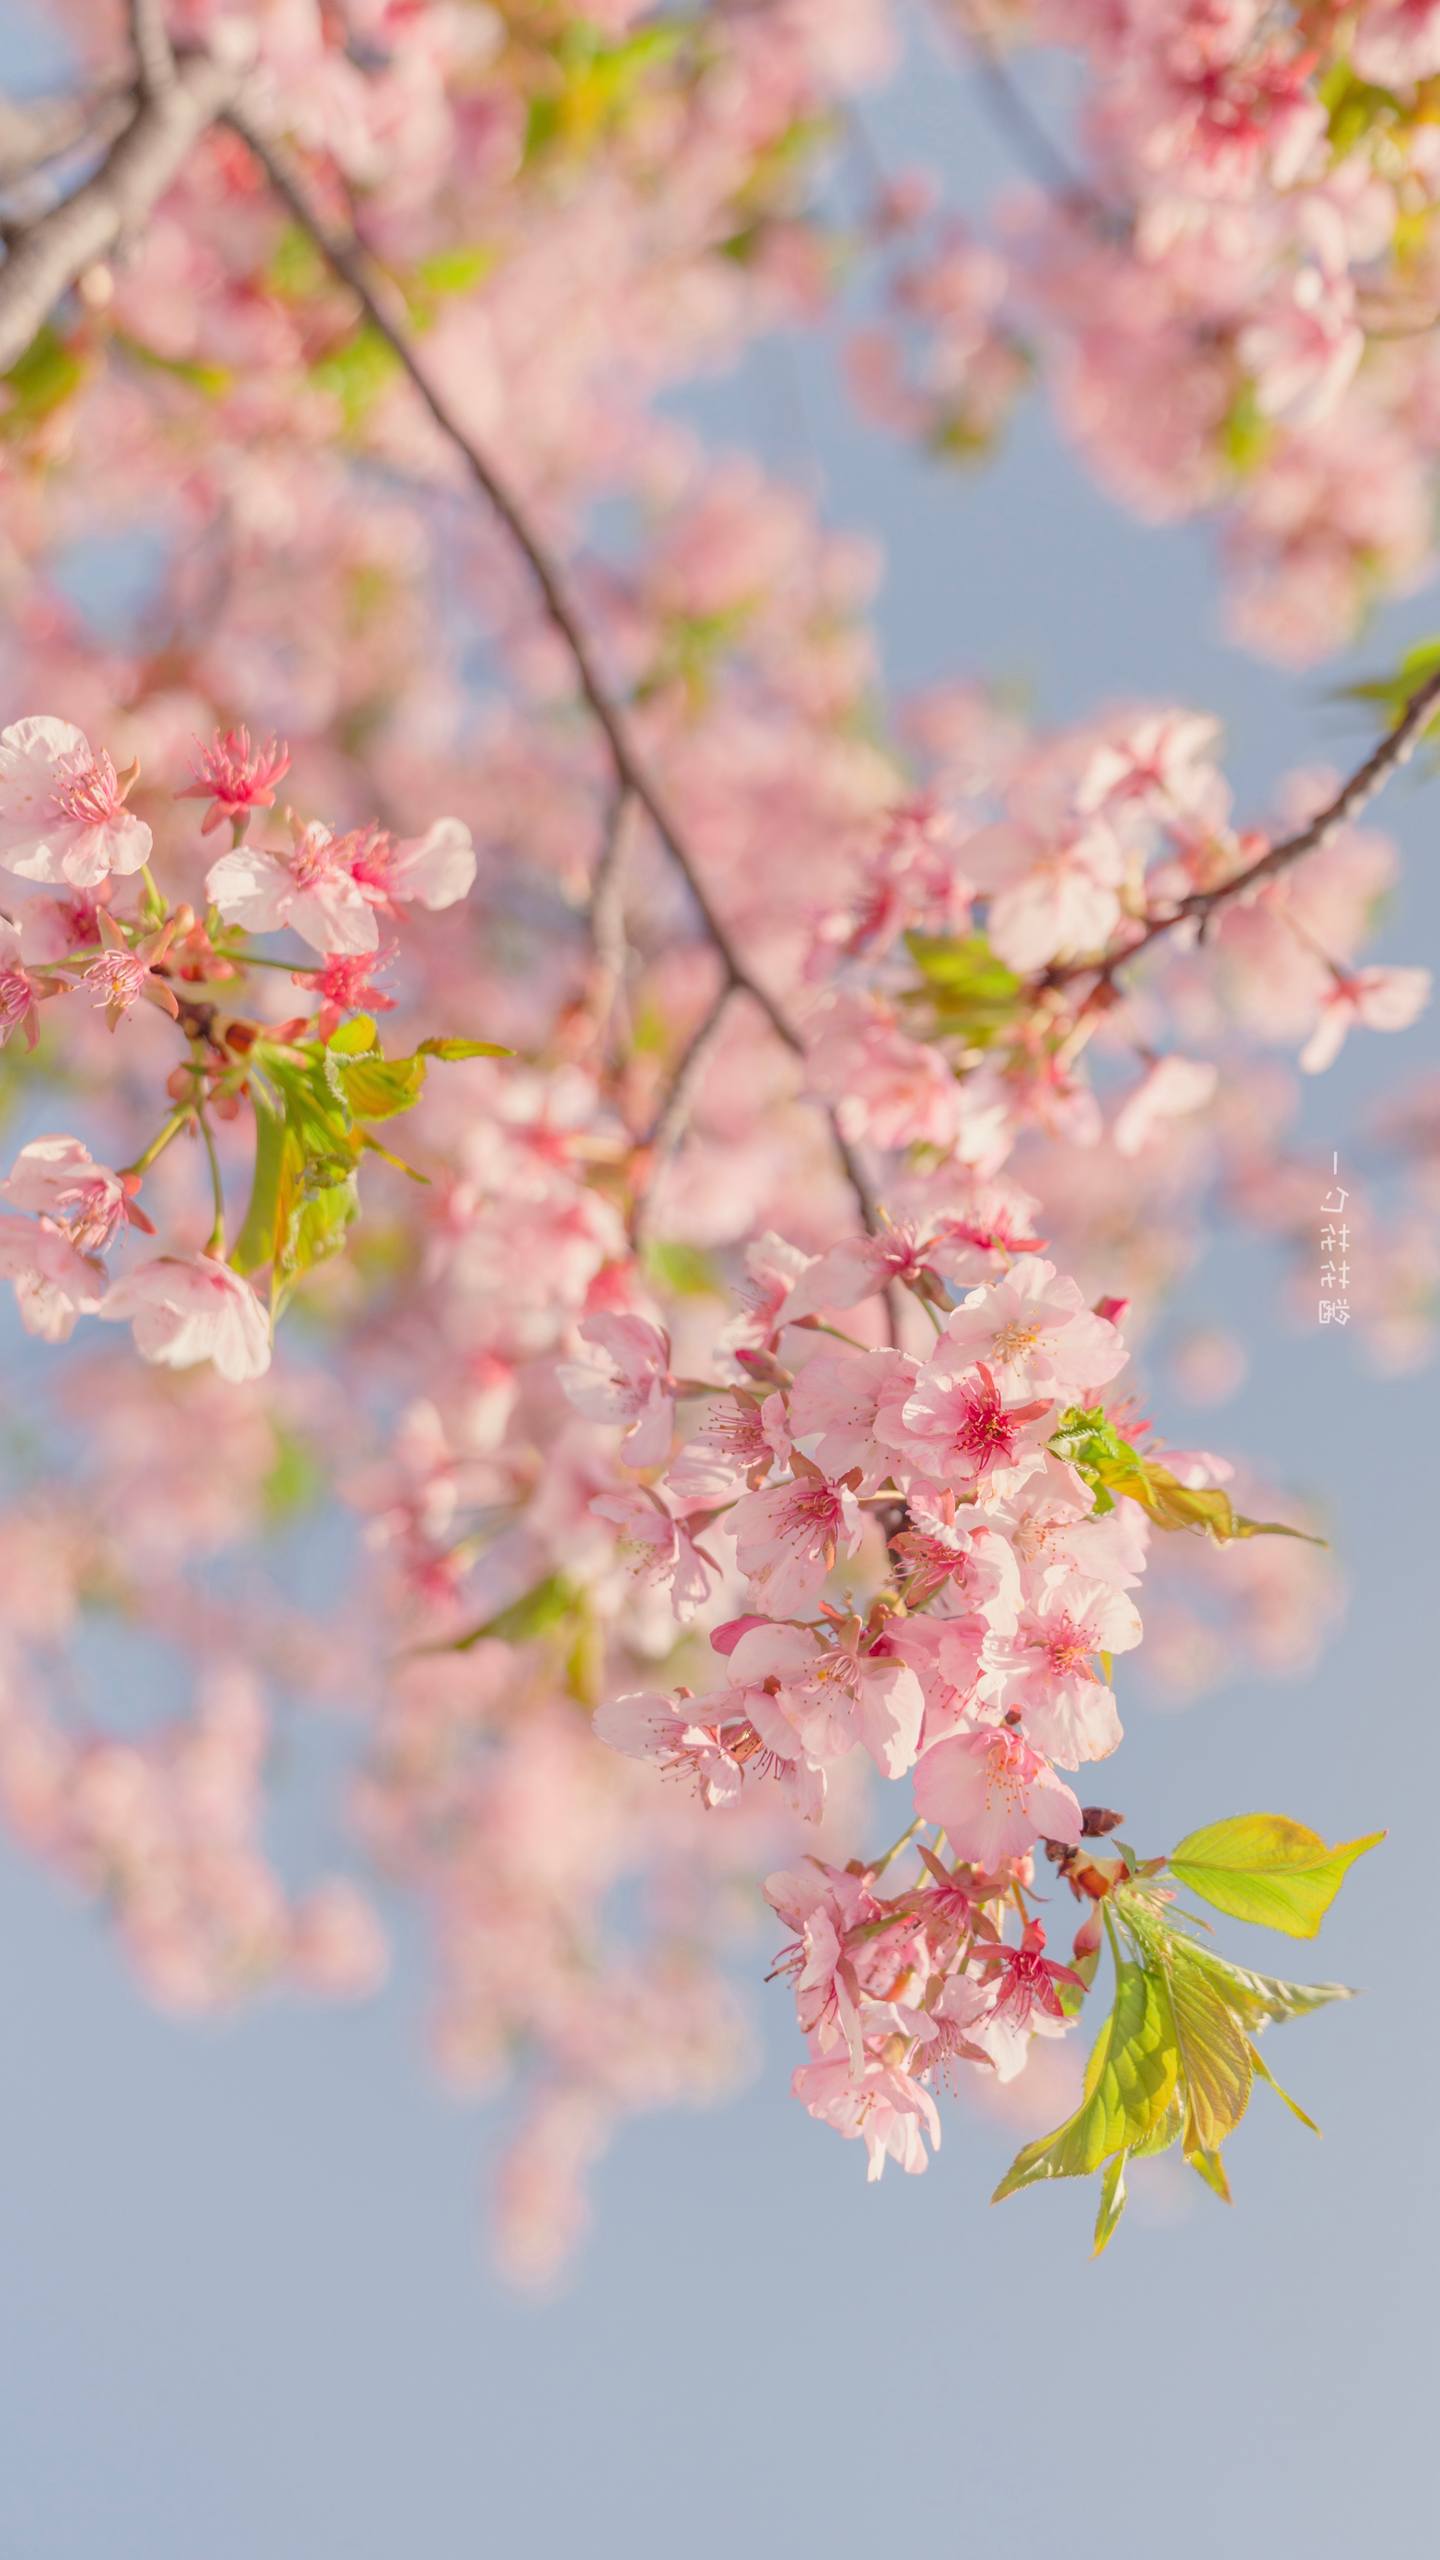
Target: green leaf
[(213, 379), (1214, 2058), (1259, 2063), (38, 383), (456, 270), (315, 1231), (973, 994), (1112, 2203), (356, 1038), (1246, 434), (255, 1244), (453, 1049), (356, 373), (1258, 1999), (1128, 2085), (1391, 693), (1209, 2166), (377, 1088), (1263, 1868), (542, 1606), (686, 1270), (1207, 1509)]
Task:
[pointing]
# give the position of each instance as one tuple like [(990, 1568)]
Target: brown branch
[(1033, 144), (667, 1127), (346, 256), (607, 912), (52, 252), (150, 43), (49, 129), (1394, 750)]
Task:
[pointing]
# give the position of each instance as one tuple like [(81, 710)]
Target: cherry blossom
[(185, 1309), (311, 888), (62, 808), (994, 1797), (627, 1380)]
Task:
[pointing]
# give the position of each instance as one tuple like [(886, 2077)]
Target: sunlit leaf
[(1263, 1868), (1128, 2085)]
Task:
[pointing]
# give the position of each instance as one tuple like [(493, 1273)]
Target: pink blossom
[(1170, 1087), (236, 777), (787, 1539), (1397, 42), (657, 1549), (740, 1441), (309, 887), (820, 1903), (435, 870), (958, 1426), (627, 1379), (62, 808), (838, 1693), (1047, 1518), (57, 1178), (1034, 1334), (1303, 345), (19, 993), (1049, 896), (647, 1726), (185, 1309), (1023, 1980), (845, 1406), (886, 2110), (346, 985), (1048, 1667), (53, 1281), (994, 1797), (1381, 999)]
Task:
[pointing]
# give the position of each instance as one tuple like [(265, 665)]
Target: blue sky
[(248, 2314)]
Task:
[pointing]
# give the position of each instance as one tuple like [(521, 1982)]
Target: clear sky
[(246, 2308)]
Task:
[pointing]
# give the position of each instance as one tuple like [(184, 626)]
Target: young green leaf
[(255, 1244), (1112, 2203), (1214, 2058), (1263, 1868), (453, 1049), (1128, 2085)]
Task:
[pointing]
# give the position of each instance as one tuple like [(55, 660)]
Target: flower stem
[(215, 1243), (158, 1144)]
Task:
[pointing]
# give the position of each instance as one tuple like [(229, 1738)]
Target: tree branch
[(53, 251), (150, 43), (1394, 750), (47, 129), (346, 256)]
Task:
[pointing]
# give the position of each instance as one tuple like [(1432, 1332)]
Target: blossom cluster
[(420, 1158)]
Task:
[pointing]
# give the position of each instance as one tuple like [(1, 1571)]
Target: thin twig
[(668, 1124), (50, 253), (1031, 141), (607, 911), (347, 258), (1394, 750), (49, 129)]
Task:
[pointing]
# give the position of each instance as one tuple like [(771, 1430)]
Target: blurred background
[(247, 2306)]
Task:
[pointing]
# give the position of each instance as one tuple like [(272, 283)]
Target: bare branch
[(348, 259), (667, 1128), (607, 911), (1030, 140), (54, 250), (150, 43), (48, 129), (1394, 750)]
